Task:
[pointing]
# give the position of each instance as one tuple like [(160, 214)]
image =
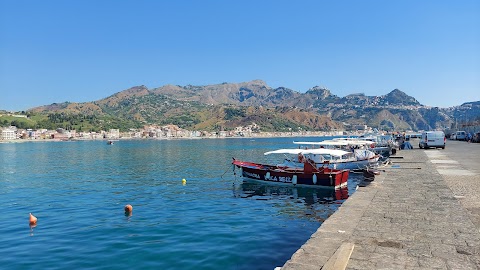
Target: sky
[(79, 51)]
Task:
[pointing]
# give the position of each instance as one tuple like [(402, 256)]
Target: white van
[(461, 136), (434, 139)]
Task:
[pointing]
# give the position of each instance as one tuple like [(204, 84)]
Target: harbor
[(421, 212), (184, 217)]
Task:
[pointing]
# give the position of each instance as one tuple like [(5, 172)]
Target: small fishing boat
[(334, 154), (306, 174), (384, 145)]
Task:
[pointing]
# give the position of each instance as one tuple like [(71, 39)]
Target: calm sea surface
[(77, 190)]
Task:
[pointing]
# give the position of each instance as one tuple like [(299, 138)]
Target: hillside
[(227, 105)]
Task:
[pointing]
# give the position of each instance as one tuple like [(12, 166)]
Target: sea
[(191, 210)]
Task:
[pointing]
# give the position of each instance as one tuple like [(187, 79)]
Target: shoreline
[(261, 135)]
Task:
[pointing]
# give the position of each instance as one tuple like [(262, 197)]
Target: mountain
[(398, 97), (253, 93), (227, 105)]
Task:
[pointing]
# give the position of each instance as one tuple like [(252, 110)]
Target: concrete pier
[(422, 212)]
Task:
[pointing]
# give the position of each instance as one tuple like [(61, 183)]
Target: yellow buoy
[(184, 182)]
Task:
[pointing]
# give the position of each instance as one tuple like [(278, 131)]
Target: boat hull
[(325, 177)]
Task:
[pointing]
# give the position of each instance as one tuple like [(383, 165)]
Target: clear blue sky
[(78, 51)]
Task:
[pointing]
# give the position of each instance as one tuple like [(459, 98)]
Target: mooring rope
[(228, 167)]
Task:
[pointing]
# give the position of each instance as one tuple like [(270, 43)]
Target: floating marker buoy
[(33, 219), (184, 182), (128, 209)]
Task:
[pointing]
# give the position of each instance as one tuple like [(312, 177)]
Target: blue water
[(78, 190)]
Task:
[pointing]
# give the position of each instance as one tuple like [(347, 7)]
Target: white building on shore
[(8, 134), (114, 134)]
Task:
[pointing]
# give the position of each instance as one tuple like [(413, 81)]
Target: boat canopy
[(335, 142), (317, 151), (352, 141)]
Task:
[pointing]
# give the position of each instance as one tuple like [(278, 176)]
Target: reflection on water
[(319, 203), (32, 226), (309, 195), (79, 190)]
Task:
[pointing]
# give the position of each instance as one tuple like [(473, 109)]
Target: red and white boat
[(308, 174)]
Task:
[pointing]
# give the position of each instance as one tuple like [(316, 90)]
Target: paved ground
[(422, 212), (467, 187)]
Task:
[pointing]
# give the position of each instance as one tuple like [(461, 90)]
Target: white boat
[(362, 151), (383, 144), (333, 158)]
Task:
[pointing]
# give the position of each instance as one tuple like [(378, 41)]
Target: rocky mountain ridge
[(228, 104)]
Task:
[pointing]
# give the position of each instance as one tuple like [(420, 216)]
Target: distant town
[(12, 134), (15, 134)]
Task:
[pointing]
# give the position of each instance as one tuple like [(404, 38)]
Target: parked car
[(476, 137)]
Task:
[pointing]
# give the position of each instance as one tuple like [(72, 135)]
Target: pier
[(421, 212)]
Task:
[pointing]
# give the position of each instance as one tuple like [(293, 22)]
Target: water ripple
[(78, 191)]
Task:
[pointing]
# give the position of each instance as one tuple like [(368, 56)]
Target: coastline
[(252, 136)]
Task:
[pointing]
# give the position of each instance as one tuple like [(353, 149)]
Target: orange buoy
[(128, 208), (33, 219)]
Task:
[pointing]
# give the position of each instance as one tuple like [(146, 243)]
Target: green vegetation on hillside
[(19, 122), (136, 107), (227, 106), (79, 122)]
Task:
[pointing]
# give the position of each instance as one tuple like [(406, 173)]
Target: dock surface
[(422, 212)]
